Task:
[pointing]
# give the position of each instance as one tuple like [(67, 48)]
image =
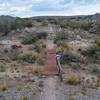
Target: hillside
[(28, 64), (92, 22)]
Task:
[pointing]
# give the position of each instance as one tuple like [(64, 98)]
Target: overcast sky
[(28, 8)]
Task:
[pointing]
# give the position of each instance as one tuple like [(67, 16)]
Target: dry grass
[(35, 55), (23, 98), (36, 69), (35, 91), (3, 87), (30, 56), (72, 79)]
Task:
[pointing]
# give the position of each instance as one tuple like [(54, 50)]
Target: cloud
[(27, 8)]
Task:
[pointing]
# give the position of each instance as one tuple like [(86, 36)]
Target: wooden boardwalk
[(50, 63)]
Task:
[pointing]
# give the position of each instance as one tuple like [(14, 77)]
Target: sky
[(29, 8)]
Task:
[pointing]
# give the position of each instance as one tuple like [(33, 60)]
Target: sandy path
[(50, 90), (50, 44), (51, 83)]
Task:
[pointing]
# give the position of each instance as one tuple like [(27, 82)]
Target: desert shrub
[(56, 21), (40, 46), (61, 22), (39, 19), (3, 87), (73, 24), (20, 23), (2, 68), (34, 91), (33, 37), (72, 79), (44, 22), (94, 68), (29, 38), (30, 56), (41, 35), (97, 42), (62, 43), (62, 46), (64, 35), (72, 56), (23, 98), (36, 69), (85, 25), (53, 21), (93, 51), (59, 36), (85, 34)]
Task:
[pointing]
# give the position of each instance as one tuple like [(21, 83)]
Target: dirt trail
[(50, 44), (50, 85), (51, 90)]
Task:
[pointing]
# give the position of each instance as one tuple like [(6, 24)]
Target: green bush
[(97, 42), (20, 23), (39, 19), (41, 35), (40, 46), (72, 56), (30, 38), (73, 24), (93, 51), (59, 36), (3, 87), (44, 22), (23, 98), (62, 43), (85, 25), (94, 68), (33, 37)]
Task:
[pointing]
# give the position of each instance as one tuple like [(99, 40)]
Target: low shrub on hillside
[(23, 98), (72, 79), (33, 37), (36, 69), (40, 46), (94, 68), (72, 56), (44, 22), (41, 35), (29, 38), (20, 23), (62, 46), (97, 42), (3, 87), (85, 25), (93, 51), (59, 36), (30, 56)]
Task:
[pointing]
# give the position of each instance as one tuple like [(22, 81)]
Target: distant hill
[(8, 23)]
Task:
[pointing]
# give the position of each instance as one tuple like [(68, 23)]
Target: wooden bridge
[(50, 63)]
